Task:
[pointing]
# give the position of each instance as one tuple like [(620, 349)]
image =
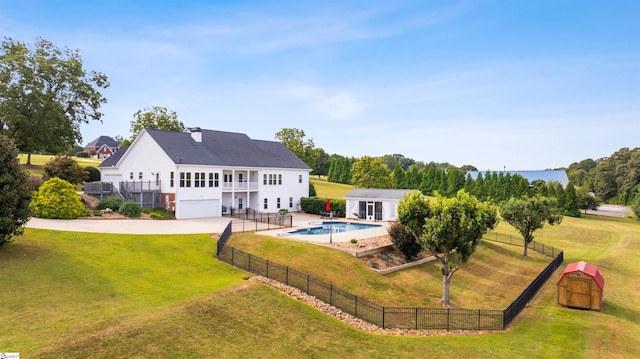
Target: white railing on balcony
[(240, 186)]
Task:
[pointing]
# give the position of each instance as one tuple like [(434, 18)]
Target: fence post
[(355, 314), (249, 265), (287, 274), (330, 294), (416, 318), (448, 317), (383, 318), (478, 319), (267, 268), (307, 284)]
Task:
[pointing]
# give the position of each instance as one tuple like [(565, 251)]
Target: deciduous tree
[(156, 117), (14, 192), (45, 95), (370, 172), (530, 214), (453, 231)]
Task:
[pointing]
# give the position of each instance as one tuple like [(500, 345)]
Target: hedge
[(318, 205)]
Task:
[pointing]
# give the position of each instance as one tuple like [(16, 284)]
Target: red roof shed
[(581, 286)]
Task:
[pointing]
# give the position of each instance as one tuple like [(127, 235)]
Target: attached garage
[(199, 208), (581, 286)]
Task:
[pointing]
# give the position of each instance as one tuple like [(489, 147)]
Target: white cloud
[(338, 105)]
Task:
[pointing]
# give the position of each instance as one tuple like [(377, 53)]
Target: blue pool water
[(335, 227)]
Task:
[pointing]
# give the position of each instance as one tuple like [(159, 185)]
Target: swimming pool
[(333, 227)]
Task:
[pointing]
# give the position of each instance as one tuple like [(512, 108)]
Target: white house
[(374, 203), (205, 173)]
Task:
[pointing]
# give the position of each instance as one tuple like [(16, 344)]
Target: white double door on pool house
[(370, 210)]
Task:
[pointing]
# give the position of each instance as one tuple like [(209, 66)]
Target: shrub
[(34, 182), (317, 205), (112, 202), (65, 168), (58, 199), (159, 213), (94, 174), (636, 209), (404, 241), (82, 154), (312, 190), (130, 209), (354, 241)]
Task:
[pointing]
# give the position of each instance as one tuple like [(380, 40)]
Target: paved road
[(611, 210)]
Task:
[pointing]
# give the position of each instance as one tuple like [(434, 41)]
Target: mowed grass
[(38, 161), (58, 286), (78, 295), (330, 189), (492, 279)]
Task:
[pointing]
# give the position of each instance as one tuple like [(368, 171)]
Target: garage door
[(198, 208)]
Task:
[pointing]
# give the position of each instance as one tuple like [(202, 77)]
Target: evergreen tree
[(571, 205), (398, 177), (14, 192)]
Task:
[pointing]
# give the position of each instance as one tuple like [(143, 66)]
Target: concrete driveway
[(132, 226)]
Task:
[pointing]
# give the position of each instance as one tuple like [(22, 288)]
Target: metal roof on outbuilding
[(585, 268)]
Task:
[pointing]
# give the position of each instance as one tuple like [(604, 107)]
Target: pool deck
[(304, 220)]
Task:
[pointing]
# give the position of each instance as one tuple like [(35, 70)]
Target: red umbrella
[(328, 205)]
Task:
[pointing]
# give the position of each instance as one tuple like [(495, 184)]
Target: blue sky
[(493, 84)]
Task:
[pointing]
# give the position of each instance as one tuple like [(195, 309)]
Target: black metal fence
[(385, 317), (541, 248), (257, 221)]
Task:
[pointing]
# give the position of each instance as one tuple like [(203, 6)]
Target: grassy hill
[(38, 161), (81, 295), (330, 189)]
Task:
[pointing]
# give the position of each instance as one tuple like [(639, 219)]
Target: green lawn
[(37, 161), (474, 286), (330, 189), (78, 295)]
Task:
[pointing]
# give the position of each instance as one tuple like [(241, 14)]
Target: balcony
[(240, 186)]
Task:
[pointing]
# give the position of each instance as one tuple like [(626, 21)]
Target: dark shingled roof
[(219, 148), (103, 140), (114, 158)]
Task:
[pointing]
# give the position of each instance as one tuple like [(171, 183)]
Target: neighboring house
[(559, 176), (104, 147), (373, 203), (205, 173)]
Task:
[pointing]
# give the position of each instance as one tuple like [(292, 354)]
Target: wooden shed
[(581, 286)]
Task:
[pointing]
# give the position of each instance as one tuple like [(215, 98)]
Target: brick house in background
[(104, 147)]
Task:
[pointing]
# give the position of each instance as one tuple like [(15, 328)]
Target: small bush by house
[(112, 202), (94, 173), (130, 209)]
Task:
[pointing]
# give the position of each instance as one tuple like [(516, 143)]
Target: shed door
[(579, 293)]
